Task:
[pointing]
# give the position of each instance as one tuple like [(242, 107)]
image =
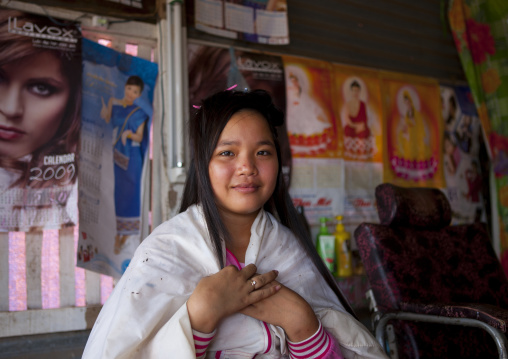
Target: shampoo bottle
[(343, 254), (325, 245)]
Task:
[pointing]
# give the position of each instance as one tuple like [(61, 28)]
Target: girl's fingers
[(260, 280), (263, 293), (248, 271)]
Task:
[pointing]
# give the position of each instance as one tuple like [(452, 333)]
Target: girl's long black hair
[(204, 132)]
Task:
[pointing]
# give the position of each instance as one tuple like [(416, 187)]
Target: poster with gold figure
[(311, 123), (360, 111), (412, 132)]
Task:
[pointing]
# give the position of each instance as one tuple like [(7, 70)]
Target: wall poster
[(311, 123), (360, 112), (259, 21), (40, 117), (412, 132), (461, 160), (116, 118)]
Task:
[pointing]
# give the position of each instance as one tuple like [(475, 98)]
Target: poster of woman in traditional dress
[(309, 109), (413, 133), (129, 121), (118, 91)]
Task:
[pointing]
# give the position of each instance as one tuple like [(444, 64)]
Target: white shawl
[(146, 315)]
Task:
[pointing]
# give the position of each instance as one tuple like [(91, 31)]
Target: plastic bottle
[(325, 245), (342, 252)]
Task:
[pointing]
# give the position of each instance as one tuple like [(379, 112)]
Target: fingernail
[(276, 271), (277, 287)]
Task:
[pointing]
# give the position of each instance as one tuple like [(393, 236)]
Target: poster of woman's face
[(40, 104)]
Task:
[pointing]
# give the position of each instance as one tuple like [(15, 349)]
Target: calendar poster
[(318, 186), (116, 117), (39, 121), (258, 21)]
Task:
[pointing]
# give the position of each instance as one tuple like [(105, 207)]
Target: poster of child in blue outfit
[(117, 112)]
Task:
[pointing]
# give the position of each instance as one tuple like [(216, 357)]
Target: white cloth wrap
[(146, 315)]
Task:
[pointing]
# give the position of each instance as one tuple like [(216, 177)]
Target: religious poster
[(118, 92), (40, 102), (412, 132), (258, 21), (360, 111), (213, 69), (311, 123), (461, 148)]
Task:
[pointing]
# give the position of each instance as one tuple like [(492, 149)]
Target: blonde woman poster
[(360, 111), (413, 132), (40, 118), (311, 122)]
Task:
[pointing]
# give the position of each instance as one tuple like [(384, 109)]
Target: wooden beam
[(41, 321)]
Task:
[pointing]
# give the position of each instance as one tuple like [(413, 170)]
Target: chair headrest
[(412, 207)]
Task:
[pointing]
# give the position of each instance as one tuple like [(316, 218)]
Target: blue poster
[(118, 94)]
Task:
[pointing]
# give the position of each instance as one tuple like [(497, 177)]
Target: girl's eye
[(226, 153), (42, 89), (264, 153)]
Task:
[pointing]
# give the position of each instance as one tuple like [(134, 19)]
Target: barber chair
[(437, 291)]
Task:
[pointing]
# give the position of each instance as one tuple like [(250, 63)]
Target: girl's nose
[(11, 105), (247, 166)]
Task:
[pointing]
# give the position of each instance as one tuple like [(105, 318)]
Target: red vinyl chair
[(438, 290)]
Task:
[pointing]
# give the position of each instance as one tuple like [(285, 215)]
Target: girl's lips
[(10, 133), (246, 188)]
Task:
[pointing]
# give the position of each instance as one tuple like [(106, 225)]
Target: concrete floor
[(70, 345)]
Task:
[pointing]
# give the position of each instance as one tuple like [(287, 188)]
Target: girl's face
[(132, 92), (244, 166), (33, 97)]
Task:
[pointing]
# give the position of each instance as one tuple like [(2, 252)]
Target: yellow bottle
[(342, 252)]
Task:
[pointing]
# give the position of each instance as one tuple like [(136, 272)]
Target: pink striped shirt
[(321, 345), (201, 342)]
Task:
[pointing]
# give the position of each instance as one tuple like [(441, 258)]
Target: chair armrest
[(494, 316), (498, 336)]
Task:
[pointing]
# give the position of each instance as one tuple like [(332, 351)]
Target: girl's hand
[(125, 136), (227, 292), (288, 310), (105, 115)]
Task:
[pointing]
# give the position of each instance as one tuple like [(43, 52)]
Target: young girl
[(235, 274)]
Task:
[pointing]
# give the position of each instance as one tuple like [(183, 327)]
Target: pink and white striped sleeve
[(201, 342), (321, 345)]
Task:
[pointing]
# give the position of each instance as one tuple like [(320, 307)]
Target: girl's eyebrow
[(50, 80), (237, 143)]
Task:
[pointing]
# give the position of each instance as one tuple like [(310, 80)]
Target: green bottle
[(325, 245)]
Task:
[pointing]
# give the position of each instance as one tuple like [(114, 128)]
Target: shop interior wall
[(403, 36)]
